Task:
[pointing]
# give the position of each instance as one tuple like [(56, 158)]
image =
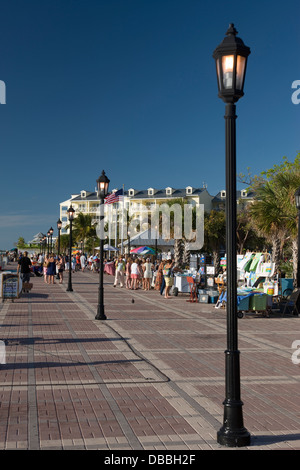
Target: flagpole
[(109, 228), (122, 222), (116, 226)]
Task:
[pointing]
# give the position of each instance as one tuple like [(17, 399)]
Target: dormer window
[(169, 191), (189, 190), (83, 193), (244, 193), (131, 192), (223, 194), (150, 192)]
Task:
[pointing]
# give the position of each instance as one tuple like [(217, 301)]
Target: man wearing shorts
[(24, 264)]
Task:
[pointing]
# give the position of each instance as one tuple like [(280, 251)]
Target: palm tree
[(274, 212), (288, 182), (83, 227), (266, 212)]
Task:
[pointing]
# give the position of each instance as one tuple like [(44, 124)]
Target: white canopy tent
[(148, 238), (107, 248)]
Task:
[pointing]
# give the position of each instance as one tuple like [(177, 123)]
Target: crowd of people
[(129, 272), (142, 273)]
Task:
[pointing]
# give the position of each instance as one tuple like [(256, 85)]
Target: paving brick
[(149, 377)]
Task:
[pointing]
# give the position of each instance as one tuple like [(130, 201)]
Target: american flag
[(114, 197)]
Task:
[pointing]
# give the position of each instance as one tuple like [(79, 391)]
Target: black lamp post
[(102, 188), (44, 244), (59, 226), (231, 60), (51, 233), (71, 213), (297, 201), (48, 237)]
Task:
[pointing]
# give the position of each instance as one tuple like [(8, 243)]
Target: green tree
[(21, 242), (273, 210), (64, 243), (214, 235)]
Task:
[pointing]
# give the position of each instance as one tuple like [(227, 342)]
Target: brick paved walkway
[(150, 377)]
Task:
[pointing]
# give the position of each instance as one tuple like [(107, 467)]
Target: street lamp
[(59, 226), (71, 214), (44, 244), (102, 190), (51, 233), (297, 201), (231, 61), (48, 236)]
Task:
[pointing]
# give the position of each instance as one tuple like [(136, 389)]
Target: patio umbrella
[(143, 250)]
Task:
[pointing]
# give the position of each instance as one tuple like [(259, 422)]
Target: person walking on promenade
[(141, 274), (73, 263), (77, 265), (148, 267), (128, 273), (45, 268), (159, 275), (134, 275), (168, 276), (60, 266), (82, 262), (51, 269), (119, 276), (24, 264), (67, 263)]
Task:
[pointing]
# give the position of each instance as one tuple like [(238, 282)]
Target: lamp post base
[(69, 289), (100, 313), (233, 439), (233, 433)]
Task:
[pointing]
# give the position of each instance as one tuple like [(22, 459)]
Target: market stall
[(258, 284)]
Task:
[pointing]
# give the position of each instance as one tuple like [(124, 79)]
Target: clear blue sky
[(129, 86)]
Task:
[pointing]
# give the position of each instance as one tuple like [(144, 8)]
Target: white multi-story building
[(135, 201)]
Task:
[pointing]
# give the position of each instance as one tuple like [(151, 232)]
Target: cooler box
[(244, 304), (258, 302)]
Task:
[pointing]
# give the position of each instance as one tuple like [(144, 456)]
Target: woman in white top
[(134, 274), (147, 273)]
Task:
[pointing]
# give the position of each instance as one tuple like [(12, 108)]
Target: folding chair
[(292, 303), (193, 289)]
